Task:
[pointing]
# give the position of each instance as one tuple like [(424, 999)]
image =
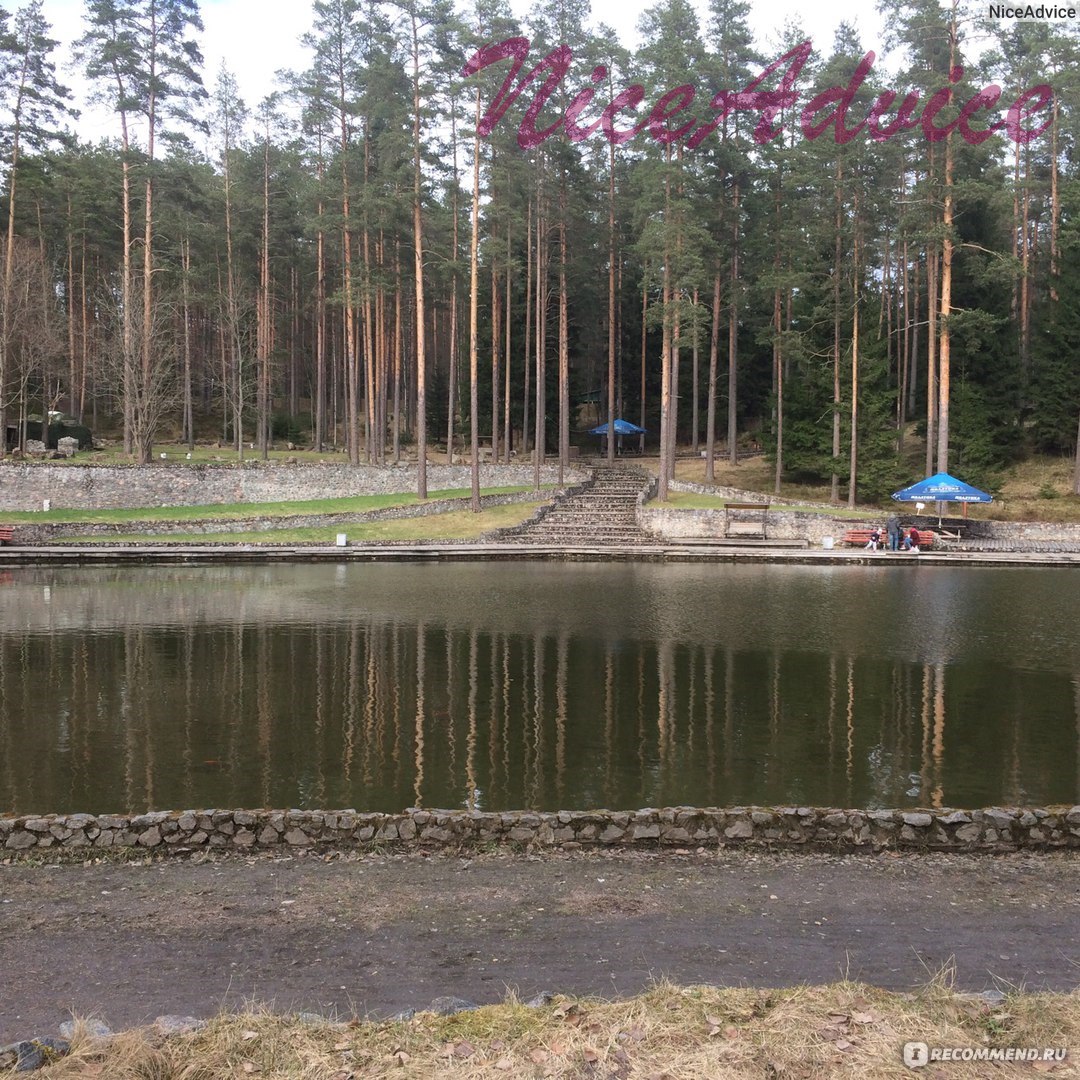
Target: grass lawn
[(176, 454), (217, 511), (456, 525)]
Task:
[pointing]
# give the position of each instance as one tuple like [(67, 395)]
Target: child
[(874, 541)]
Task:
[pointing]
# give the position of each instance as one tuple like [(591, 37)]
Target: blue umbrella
[(939, 488), (622, 427)]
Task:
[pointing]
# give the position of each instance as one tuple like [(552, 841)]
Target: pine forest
[(456, 228)]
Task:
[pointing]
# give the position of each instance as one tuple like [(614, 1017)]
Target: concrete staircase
[(599, 515)]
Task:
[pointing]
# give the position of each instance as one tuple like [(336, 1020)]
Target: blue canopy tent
[(622, 427), (939, 488)]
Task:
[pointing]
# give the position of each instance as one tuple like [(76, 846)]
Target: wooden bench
[(861, 537), (952, 534), (6, 534), (742, 527)]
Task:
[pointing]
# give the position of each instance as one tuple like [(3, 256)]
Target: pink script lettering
[(827, 109)]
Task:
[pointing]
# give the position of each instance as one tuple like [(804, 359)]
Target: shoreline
[(990, 830), (450, 551)]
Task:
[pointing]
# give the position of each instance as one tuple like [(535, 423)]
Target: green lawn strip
[(687, 500), (241, 511), (176, 455), (455, 525)]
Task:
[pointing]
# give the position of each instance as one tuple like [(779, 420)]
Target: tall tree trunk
[(496, 343), (541, 333), (665, 374), (262, 411), (853, 473), (451, 395), (838, 224), (474, 337), (944, 372), (1026, 269), (348, 329), (710, 419), (611, 306), (694, 379), (733, 338), (564, 344), (778, 379), (188, 414), (320, 330), (507, 433), (397, 351), (418, 237), (903, 328), (944, 346), (73, 374), (144, 434), (526, 403), (1055, 203), (128, 325), (644, 358), (931, 357), (6, 300)]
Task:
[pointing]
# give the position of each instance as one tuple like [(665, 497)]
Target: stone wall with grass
[(25, 485), (801, 827), (205, 528), (685, 524), (810, 521)]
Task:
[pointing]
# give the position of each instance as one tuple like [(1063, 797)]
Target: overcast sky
[(257, 38)]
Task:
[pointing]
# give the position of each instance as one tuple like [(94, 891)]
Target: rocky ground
[(345, 935)]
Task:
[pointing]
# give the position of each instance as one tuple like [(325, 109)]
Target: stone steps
[(603, 514)]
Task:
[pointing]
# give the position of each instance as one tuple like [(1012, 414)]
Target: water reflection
[(544, 687)]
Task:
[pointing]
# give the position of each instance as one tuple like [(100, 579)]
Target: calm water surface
[(545, 686)]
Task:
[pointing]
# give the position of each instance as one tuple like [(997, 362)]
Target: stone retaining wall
[(814, 525), (989, 830), (23, 485)]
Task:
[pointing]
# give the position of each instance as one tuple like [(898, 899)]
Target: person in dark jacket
[(892, 531)]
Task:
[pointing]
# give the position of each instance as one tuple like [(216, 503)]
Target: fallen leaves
[(461, 1050)]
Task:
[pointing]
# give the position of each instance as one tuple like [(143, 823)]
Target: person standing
[(892, 531)]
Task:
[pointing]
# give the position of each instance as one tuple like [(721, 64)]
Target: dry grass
[(1037, 489), (694, 1033)]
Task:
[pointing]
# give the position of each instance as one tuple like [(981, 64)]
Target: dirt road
[(379, 933)]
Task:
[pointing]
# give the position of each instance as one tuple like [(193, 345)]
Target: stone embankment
[(988, 830), (807, 521), (24, 486), (205, 529)]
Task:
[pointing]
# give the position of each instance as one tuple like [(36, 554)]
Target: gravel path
[(375, 934)]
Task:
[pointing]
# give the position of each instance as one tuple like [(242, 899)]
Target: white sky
[(257, 38)]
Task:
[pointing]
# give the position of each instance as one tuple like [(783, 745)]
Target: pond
[(537, 685)]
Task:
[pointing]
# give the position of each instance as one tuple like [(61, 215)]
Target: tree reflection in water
[(381, 712)]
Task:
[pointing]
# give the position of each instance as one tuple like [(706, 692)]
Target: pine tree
[(34, 103)]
